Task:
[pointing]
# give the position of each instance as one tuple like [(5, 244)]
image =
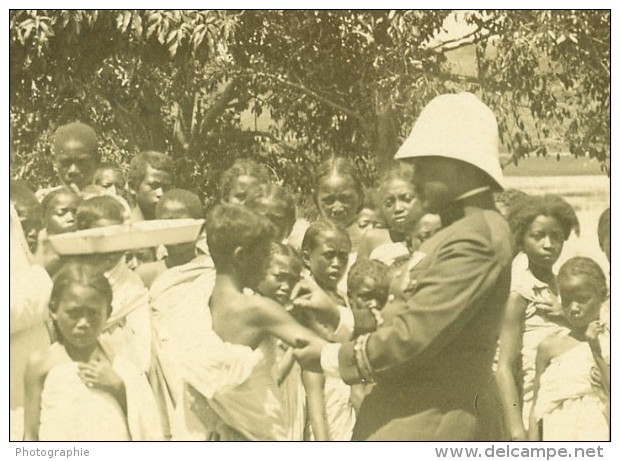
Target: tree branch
[(219, 106)]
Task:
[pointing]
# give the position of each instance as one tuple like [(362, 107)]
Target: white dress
[(569, 405)]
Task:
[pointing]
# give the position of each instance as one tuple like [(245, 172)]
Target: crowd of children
[(194, 341)]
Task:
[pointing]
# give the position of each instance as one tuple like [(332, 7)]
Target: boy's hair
[(50, 199), (232, 226), (103, 166), (338, 166), (604, 226), (138, 165), (275, 192), (371, 268), (282, 249), (190, 200), (311, 237), (76, 131), (92, 210), (529, 208), (372, 200), (243, 167), (80, 272), (580, 266)]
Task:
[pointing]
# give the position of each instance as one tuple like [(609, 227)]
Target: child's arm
[(34, 378), (314, 383), (592, 334), (511, 341), (543, 357), (268, 316)]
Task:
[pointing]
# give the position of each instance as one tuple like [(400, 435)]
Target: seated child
[(59, 209), (325, 253), (81, 388), (130, 319), (567, 405), (283, 274)]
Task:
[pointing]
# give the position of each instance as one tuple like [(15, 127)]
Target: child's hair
[(529, 208), (398, 170), (311, 237), (372, 200), (604, 226), (92, 210), (50, 199), (104, 166), (190, 200), (370, 268), (275, 192), (233, 226), (580, 266), (80, 272), (287, 251), (243, 167), (338, 166), (76, 131), (138, 166), (509, 197)]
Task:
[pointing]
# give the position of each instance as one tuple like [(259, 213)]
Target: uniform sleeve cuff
[(329, 360)]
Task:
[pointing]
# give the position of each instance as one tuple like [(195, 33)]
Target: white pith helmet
[(457, 126)]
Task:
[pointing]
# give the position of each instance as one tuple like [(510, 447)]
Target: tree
[(327, 82)]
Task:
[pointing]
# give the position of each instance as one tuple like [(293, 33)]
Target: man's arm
[(447, 294)]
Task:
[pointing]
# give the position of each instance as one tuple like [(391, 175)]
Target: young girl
[(81, 389), (540, 226), (325, 252), (339, 196), (276, 204), (401, 212), (240, 178), (567, 404), (282, 275)]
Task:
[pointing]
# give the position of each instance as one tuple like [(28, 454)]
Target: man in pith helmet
[(431, 353)]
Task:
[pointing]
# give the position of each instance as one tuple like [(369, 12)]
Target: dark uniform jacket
[(432, 358)]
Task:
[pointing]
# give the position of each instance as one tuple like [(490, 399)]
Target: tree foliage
[(327, 82)]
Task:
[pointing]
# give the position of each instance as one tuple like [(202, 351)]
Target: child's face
[(328, 260), (61, 214), (80, 316), (75, 164), (32, 223), (240, 187), (275, 211), (543, 241), (400, 207), (337, 200), (152, 187), (369, 295), (368, 219), (580, 303), (174, 209), (112, 181), (281, 277)]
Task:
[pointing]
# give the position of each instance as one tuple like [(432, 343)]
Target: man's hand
[(308, 353), (307, 295)]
